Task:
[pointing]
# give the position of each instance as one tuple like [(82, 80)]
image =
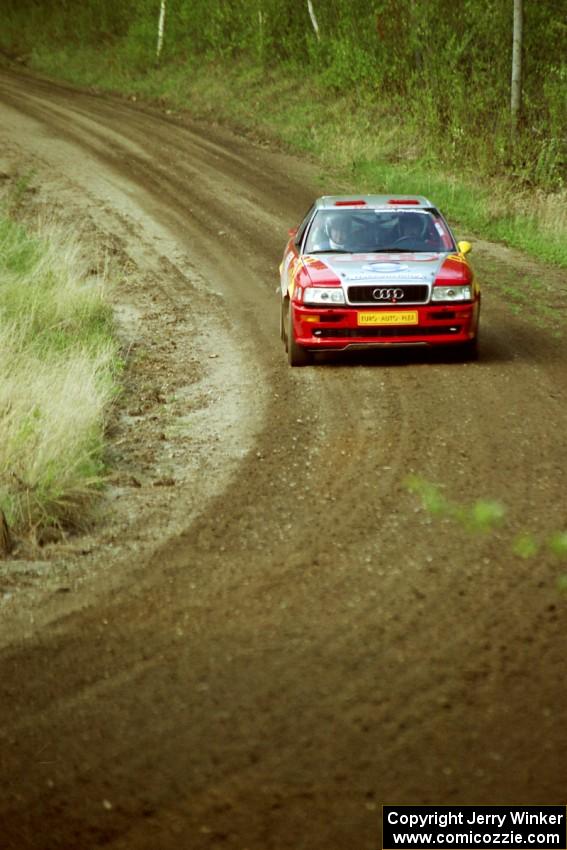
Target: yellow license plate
[(398, 317)]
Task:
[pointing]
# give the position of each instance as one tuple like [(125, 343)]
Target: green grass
[(60, 363), (492, 210), (360, 143)]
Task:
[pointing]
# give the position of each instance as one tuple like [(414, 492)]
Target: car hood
[(353, 269)]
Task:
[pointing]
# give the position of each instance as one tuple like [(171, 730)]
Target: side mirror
[(292, 232), (464, 247)]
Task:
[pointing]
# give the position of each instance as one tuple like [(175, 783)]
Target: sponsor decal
[(458, 258), (292, 267), (315, 263), (347, 258), (284, 272), (295, 267), (382, 277), (382, 259), (422, 258), (384, 267), (284, 268)]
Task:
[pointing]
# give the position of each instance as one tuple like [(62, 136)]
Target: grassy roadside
[(60, 363), (360, 144)]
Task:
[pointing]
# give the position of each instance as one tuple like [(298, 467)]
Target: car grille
[(389, 331), (414, 294)]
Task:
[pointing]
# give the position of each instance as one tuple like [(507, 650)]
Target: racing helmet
[(338, 228), (413, 225)]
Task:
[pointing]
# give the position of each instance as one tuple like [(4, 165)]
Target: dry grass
[(50, 434), (549, 210), (59, 363)]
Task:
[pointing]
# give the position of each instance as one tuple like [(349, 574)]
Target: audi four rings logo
[(387, 294)]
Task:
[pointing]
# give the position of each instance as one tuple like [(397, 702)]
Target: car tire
[(297, 355), (468, 351), (283, 334)]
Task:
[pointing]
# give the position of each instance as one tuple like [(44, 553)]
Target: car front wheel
[(297, 355), (283, 332), (469, 350)]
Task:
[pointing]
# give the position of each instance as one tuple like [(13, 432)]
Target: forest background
[(389, 95)]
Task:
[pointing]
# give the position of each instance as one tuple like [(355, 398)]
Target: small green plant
[(482, 516), (485, 516), (525, 546), (558, 544)]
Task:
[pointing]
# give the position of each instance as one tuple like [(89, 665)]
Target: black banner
[(479, 827)]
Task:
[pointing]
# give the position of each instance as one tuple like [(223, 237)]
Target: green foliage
[(525, 546), (485, 516), (400, 93), (558, 544), (443, 66), (498, 214), (482, 516)]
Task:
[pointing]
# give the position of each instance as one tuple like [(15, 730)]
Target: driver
[(338, 230), (412, 227), (334, 233)]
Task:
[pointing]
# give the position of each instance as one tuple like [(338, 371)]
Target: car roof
[(327, 202)]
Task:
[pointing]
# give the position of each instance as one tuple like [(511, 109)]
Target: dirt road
[(287, 640)]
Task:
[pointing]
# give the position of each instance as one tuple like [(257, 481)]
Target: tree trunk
[(516, 100), (161, 25), (314, 22)]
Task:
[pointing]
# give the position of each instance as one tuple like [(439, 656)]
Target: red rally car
[(376, 270)]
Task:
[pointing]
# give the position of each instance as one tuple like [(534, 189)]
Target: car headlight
[(451, 293), (320, 296)]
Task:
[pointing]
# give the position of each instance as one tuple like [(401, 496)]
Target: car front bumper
[(339, 328)]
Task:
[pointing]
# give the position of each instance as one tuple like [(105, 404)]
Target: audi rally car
[(376, 270)]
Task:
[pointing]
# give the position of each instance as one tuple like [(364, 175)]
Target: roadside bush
[(59, 365)]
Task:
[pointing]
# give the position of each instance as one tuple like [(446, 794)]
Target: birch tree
[(516, 96), (161, 26), (314, 22)]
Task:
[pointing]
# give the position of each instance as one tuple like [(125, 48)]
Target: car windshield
[(378, 231)]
